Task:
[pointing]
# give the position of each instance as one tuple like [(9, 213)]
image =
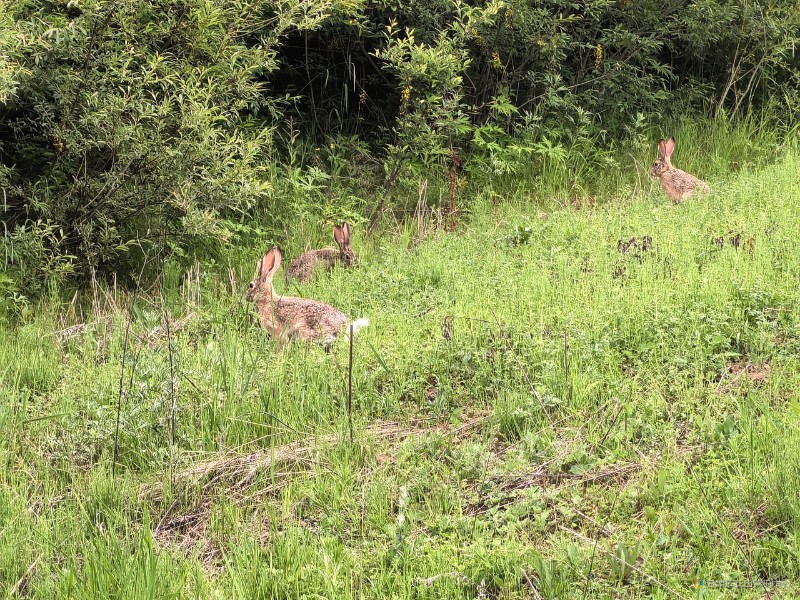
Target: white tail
[(357, 324)]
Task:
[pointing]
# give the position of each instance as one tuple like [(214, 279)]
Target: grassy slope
[(486, 464)]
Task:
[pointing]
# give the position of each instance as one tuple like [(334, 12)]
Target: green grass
[(586, 431)]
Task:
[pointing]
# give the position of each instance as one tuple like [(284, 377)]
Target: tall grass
[(596, 423)]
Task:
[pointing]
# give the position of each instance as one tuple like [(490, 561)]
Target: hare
[(303, 266), (678, 184), (286, 317)]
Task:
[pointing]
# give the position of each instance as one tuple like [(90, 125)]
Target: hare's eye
[(251, 285)]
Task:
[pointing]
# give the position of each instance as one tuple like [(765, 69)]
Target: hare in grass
[(678, 184), (303, 266), (287, 317)]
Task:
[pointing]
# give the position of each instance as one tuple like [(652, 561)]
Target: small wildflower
[(598, 56), (362, 97), (332, 146), (406, 93)]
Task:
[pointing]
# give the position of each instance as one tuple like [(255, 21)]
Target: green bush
[(129, 131), (135, 128)]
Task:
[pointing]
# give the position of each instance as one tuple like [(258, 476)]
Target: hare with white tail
[(287, 317), (678, 184), (303, 266)]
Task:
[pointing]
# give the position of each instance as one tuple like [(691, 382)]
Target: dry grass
[(185, 527)]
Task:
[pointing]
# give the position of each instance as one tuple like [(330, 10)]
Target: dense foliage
[(128, 129)]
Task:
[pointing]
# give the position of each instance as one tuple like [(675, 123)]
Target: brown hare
[(286, 316), (678, 184), (303, 266)]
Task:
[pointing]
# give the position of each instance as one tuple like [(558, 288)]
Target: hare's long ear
[(346, 230), (670, 147), (276, 260), (339, 235), (269, 264), (662, 148)]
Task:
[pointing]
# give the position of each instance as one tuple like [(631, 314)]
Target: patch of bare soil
[(737, 372)]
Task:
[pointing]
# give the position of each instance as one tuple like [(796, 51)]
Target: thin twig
[(627, 564), (121, 390), (724, 525), (523, 370), (530, 583), (597, 541), (567, 386), (610, 427), (122, 369), (350, 387), (171, 374), (25, 575)]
